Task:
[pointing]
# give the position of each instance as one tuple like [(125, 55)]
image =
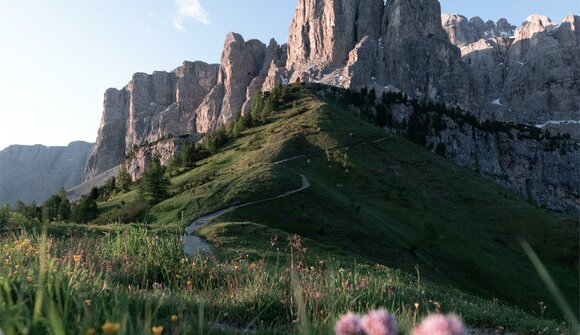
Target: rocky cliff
[(463, 31), (192, 99), (33, 173), (540, 167), (148, 109), (360, 43), (528, 74)]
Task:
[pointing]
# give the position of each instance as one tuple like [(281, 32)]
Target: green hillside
[(395, 203), (382, 199), (383, 223)]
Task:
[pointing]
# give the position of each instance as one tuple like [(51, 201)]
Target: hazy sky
[(57, 57)]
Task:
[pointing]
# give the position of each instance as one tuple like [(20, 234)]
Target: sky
[(58, 57)]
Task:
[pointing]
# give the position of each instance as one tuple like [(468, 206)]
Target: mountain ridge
[(33, 173), (397, 46)]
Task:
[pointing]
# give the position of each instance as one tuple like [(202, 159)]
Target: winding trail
[(193, 245)]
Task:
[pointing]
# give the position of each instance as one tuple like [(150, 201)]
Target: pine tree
[(56, 208), (154, 186), (381, 115), (372, 96), (257, 105), (124, 179), (85, 211)]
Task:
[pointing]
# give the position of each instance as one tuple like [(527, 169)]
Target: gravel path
[(193, 245)]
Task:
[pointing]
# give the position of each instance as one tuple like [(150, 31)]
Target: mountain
[(528, 74), (352, 188), (33, 173), (463, 31), (400, 45)]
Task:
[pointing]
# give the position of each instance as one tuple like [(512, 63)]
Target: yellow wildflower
[(110, 328), (158, 330), (77, 258), (91, 331), (174, 318)]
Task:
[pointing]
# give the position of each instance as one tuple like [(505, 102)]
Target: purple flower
[(349, 324), (438, 324), (380, 322)]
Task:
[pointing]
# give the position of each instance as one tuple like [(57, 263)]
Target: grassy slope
[(390, 202)]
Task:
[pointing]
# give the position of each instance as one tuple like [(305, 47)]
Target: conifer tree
[(154, 185), (124, 179)]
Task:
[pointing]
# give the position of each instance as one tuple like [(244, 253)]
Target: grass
[(137, 277), (384, 223)]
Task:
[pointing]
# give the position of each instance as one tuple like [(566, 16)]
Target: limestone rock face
[(463, 32), (532, 76), (418, 56), (275, 58), (361, 65), (359, 43), (323, 33), (195, 98), (109, 149), (33, 173), (142, 157), (532, 168), (458, 29), (148, 109), (241, 62)]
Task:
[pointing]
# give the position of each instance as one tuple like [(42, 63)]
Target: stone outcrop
[(274, 60), (33, 173), (148, 109), (419, 59), (241, 62), (536, 169), (531, 75), (400, 44), (323, 33), (193, 99), (463, 31), (142, 157)]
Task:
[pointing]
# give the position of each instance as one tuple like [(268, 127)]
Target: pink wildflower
[(349, 324), (438, 324), (380, 322)]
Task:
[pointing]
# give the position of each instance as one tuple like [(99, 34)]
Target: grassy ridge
[(395, 203)]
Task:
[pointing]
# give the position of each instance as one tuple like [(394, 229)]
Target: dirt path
[(193, 244)]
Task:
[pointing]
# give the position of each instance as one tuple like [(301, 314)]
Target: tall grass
[(135, 278)]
